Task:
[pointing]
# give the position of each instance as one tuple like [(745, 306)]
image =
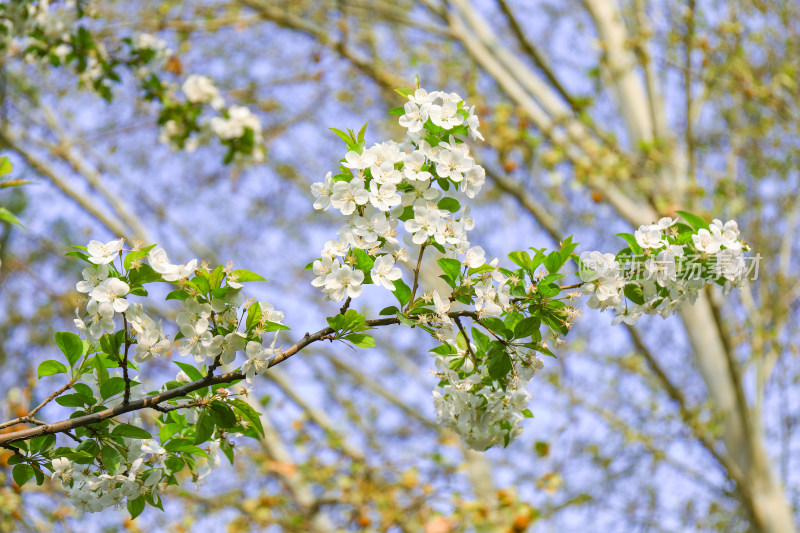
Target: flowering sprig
[(423, 185), (666, 264), (118, 462), (491, 323)]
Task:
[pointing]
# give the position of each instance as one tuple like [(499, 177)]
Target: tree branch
[(156, 399)]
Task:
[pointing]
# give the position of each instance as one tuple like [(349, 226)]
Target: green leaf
[(451, 267), (248, 413), (364, 262), (135, 507), (8, 216), (253, 315), (79, 255), (112, 386), (695, 221), (527, 327), (189, 370), (548, 290), (43, 443), (131, 432), (109, 344), (449, 204), (541, 349), (274, 326), (361, 340), (136, 255), (634, 293), (174, 463), (402, 292), (527, 413), (5, 166), (361, 132), (631, 240), (404, 92), (71, 346), (215, 277), (499, 362), (444, 349), (201, 284), (111, 457), (204, 428), (222, 415), (554, 321), (177, 294), (554, 262), (397, 111), (391, 311), (22, 474), (74, 400), (138, 290), (143, 274), (84, 389), (243, 276), (523, 259), (51, 367), (567, 247), (89, 446), (497, 326), (348, 140)]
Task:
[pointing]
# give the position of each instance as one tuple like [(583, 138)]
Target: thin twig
[(127, 397), (416, 275), (29, 416), (457, 320)]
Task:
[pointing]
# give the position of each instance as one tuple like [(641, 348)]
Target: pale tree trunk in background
[(745, 457), (743, 434)]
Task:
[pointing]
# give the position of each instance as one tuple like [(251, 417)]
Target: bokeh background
[(598, 116)]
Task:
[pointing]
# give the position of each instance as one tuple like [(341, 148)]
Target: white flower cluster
[(422, 186), (91, 491), (23, 18), (107, 297), (484, 416), (198, 321), (144, 43), (666, 275), (230, 124), (380, 183)]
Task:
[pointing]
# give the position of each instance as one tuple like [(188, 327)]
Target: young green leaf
[(402, 292), (131, 432), (51, 367), (695, 221), (361, 340), (71, 346)]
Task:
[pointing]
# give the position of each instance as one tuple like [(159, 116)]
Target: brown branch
[(29, 416), (153, 401)]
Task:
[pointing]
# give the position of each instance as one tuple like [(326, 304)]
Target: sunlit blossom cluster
[(92, 491), (235, 126), (483, 415), (421, 186), (394, 185), (670, 270), (197, 323)]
